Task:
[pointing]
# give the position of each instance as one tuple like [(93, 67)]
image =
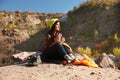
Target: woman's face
[(57, 26)]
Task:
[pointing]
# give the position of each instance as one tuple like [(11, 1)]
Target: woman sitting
[(55, 47)]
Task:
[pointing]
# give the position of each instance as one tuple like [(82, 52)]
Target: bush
[(86, 51), (116, 51)]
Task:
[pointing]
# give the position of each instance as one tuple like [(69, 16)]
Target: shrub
[(86, 51), (116, 51), (116, 38)]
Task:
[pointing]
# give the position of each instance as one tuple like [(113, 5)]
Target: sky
[(42, 6)]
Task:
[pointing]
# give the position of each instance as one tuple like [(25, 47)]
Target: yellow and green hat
[(51, 22)]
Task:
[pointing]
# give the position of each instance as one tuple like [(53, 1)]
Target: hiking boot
[(72, 56), (68, 58)]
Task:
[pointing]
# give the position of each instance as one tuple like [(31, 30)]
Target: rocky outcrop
[(105, 62), (25, 20)]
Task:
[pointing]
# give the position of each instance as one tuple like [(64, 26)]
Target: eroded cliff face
[(25, 20)]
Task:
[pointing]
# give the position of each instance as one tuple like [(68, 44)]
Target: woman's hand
[(62, 39), (57, 39)]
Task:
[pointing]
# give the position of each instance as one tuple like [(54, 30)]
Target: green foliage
[(96, 34), (11, 25), (116, 38), (116, 51), (85, 36), (86, 51), (109, 45)]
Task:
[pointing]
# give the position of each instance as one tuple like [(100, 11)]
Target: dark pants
[(56, 52)]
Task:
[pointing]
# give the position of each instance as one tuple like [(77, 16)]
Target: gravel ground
[(57, 72)]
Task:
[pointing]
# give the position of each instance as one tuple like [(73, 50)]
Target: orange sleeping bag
[(84, 61)]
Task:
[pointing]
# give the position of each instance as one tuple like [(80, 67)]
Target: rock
[(115, 59), (105, 62), (92, 73)]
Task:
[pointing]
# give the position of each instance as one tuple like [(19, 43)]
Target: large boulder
[(105, 62)]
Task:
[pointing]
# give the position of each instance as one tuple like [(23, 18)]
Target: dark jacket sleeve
[(47, 41)]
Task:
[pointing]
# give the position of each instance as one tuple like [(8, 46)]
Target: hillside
[(21, 31), (93, 20)]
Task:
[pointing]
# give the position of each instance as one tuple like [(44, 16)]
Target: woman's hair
[(51, 32)]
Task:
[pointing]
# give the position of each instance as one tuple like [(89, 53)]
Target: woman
[(55, 47)]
